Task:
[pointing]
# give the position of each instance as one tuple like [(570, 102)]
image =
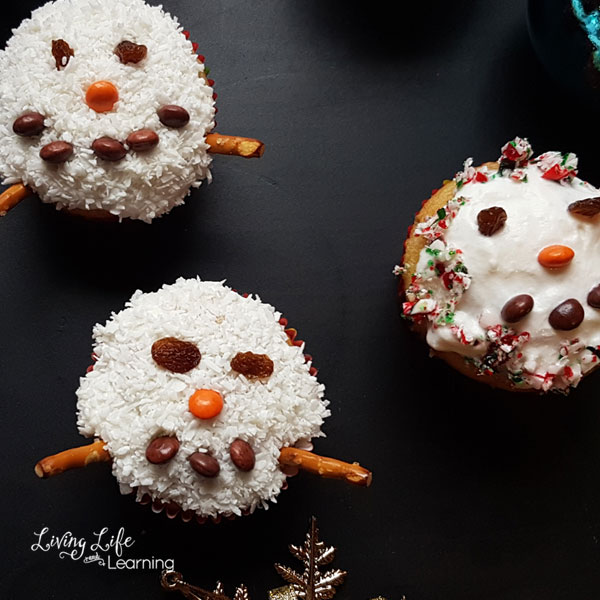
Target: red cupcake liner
[(202, 59)]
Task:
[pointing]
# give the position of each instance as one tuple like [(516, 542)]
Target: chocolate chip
[(589, 207), (29, 124), (204, 464), (109, 149), (142, 140), (56, 152), (173, 116), (242, 455), (593, 298), (162, 449), (516, 308), (490, 220), (177, 356), (567, 315)]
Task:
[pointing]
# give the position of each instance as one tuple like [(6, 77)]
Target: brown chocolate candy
[(491, 220), (593, 298), (589, 207), (242, 455), (173, 116), (177, 356), (162, 449), (142, 140), (205, 464), (252, 365), (56, 152), (516, 308), (567, 315), (29, 124), (109, 149)]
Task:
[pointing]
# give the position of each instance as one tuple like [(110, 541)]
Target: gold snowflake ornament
[(313, 584)]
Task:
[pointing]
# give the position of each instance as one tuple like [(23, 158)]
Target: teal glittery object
[(591, 24)]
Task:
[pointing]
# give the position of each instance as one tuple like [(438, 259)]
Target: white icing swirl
[(505, 265)]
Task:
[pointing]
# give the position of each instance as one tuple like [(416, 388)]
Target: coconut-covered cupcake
[(203, 400), (106, 109), (498, 273)]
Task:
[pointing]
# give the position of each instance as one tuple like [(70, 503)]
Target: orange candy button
[(206, 404), (102, 96), (554, 257)]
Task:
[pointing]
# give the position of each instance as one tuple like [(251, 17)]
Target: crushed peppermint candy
[(558, 166), (434, 228), (519, 175), (503, 344), (440, 274), (466, 175), (515, 154), (441, 277), (423, 306)]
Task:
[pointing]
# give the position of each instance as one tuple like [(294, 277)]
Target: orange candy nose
[(102, 96), (554, 257), (206, 404)]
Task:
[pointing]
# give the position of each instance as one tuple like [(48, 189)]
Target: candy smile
[(218, 143), (105, 148), (101, 97)]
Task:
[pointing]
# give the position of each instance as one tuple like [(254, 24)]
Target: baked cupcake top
[(196, 370), (104, 106), (505, 274)]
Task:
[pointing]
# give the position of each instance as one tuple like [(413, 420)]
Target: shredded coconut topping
[(127, 399), (143, 185)]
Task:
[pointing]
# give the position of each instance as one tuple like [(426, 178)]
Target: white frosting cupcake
[(506, 275), (138, 393), (145, 182)]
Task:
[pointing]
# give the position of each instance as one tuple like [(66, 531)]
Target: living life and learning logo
[(104, 548)]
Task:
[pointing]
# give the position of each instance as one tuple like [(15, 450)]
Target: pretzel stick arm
[(325, 467), (72, 459), (12, 196), (234, 145)]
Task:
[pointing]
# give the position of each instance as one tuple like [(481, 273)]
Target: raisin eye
[(175, 355), (62, 53), (253, 366), (129, 52), (491, 220)]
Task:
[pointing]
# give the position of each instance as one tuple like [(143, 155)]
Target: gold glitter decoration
[(173, 582), (283, 593)]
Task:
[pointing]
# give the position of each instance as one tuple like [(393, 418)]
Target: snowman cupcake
[(203, 401), (498, 273), (107, 111)]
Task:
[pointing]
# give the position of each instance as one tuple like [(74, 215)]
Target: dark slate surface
[(477, 494)]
